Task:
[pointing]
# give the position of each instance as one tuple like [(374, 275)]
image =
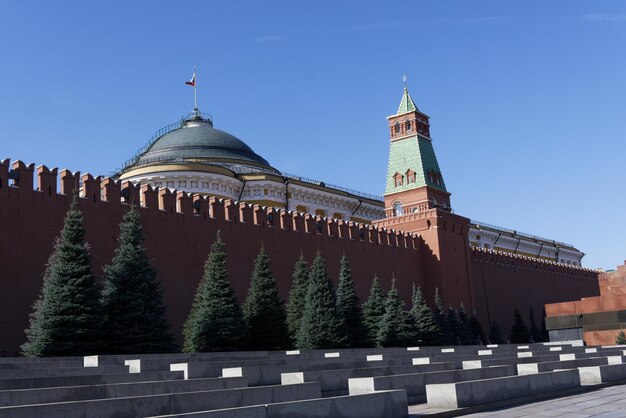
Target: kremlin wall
[(418, 238)]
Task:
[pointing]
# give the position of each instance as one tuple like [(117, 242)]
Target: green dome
[(198, 141)]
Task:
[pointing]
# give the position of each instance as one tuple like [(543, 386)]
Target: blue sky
[(526, 98)]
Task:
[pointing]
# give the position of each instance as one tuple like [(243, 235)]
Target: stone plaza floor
[(609, 402)]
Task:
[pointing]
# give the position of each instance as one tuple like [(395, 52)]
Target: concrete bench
[(271, 375), (173, 403), (335, 382), (42, 382), (115, 390), (388, 404), (415, 384), (534, 368), (602, 374), (70, 371), (476, 392)]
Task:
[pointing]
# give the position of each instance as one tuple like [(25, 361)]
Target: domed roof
[(198, 141)]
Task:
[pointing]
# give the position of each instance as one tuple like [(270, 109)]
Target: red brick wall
[(503, 282), (179, 241), (179, 238)]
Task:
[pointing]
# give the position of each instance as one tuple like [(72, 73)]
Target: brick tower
[(416, 200), (414, 180)]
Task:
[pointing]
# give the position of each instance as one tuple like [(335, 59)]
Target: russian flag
[(192, 82)]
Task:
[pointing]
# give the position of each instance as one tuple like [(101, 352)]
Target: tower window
[(396, 128), (397, 209), (407, 125), (398, 179), (410, 176)]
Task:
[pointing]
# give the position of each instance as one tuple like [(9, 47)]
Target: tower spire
[(406, 104)]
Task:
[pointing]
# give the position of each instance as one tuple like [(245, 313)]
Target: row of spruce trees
[(76, 315)]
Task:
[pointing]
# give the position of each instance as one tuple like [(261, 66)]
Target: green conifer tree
[(393, 331), (215, 322), (495, 335), (349, 308), (132, 298), (66, 316), (263, 310), (464, 332), (519, 332), (453, 326), (478, 336), (374, 309), (440, 317), (297, 296), (621, 338), (427, 330), (535, 334), (321, 326)]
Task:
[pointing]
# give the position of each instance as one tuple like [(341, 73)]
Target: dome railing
[(165, 130)]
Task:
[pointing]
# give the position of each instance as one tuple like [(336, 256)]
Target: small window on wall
[(397, 209), (396, 128), (407, 125)]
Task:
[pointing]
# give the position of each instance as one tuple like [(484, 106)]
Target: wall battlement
[(522, 261), (99, 190), (179, 229)]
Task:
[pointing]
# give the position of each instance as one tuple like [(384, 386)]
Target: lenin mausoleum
[(191, 180)]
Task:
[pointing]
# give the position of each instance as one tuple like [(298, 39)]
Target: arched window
[(397, 209), (407, 125), (396, 128)]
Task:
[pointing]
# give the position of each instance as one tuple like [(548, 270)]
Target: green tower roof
[(406, 104)]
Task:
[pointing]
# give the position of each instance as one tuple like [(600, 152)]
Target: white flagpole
[(195, 85)]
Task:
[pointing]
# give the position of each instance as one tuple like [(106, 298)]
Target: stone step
[(173, 403), (335, 382), (415, 384), (42, 382), (388, 404), (476, 392), (115, 390)]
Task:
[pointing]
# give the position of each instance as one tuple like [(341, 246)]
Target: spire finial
[(404, 80)]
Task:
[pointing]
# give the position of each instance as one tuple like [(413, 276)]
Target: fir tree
[(215, 322), (478, 336), (535, 334), (66, 316), (263, 310), (495, 335), (426, 328), (321, 326), (465, 332), (132, 299), (297, 296), (453, 326), (621, 338), (519, 331), (374, 309), (349, 308), (439, 315), (393, 330)]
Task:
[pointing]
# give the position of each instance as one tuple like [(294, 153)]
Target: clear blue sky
[(526, 99)]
